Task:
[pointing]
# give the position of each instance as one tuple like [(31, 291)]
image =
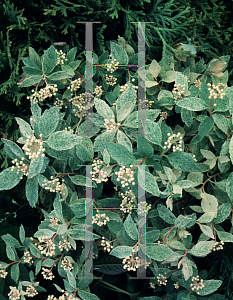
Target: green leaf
[(84, 150), (154, 68), (63, 140), (31, 189), (151, 183), (11, 241), (36, 166), (182, 161), (121, 251), (21, 233), (223, 213), (29, 81), (209, 203), (206, 230), (71, 278), (166, 214), (10, 253), (49, 60), (124, 111), (15, 272), (158, 252), (31, 71), (153, 132), (202, 249), (229, 185), (186, 116), (15, 150), (59, 75), (74, 64), (132, 120), (35, 57), (206, 217), (120, 153), (82, 234), (70, 56), (128, 95), (119, 54), (49, 121), (130, 227), (205, 127), (82, 180), (58, 208), (144, 148), (24, 127), (87, 296), (207, 154), (183, 221), (109, 265), (124, 140), (210, 287), (103, 109), (9, 179), (221, 122), (225, 236), (192, 103)]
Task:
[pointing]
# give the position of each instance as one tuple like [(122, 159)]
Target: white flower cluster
[(216, 91), (113, 66), (125, 86), (27, 258), (3, 274), (14, 293), (31, 291), (74, 85), (130, 262), (142, 208), (68, 129), (23, 168), (148, 102), (197, 284), (110, 124), (100, 219), (54, 221), (98, 175), (198, 83), (218, 246), (177, 91), (152, 285), (127, 203), (79, 101), (54, 185), (66, 264), (61, 57), (44, 93), (65, 296), (162, 279), (34, 147), (98, 91), (64, 245), (106, 244), (125, 175), (173, 139), (110, 80), (164, 115), (59, 102), (48, 246), (47, 274)]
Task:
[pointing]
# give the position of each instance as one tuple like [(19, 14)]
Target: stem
[(208, 180), (78, 124), (14, 262), (168, 233), (214, 231), (211, 108)]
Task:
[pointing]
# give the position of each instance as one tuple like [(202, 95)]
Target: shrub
[(170, 165)]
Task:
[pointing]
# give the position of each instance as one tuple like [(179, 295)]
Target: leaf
[(130, 227), (32, 71), (206, 230), (124, 111), (209, 203), (82, 180), (183, 221), (58, 208), (225, 236), (82, 234), (210, 286), (120, 153), (231, 149), (11, 241), (87, 296), (154, 68), (192, 103), (144, 148), (121, 251), (74, 64), (49, 60), (221, 122), (31, 190), (182, 161), (15, 150), (109, 265), (21, 233), (63, 140), (35, 57), (207, 154), (166, 214), (84, 150), (151, 185), (124, 140), (15, 272), (119, 54), (24, 127), (186, 116), (70, 56), (127, 96), (206, 217), (229, 186), (36, 166), (103, 109), (202, 248), (153, 132), (31, 80), (9, 179), (71, 278), (158, 252), (10, 253), (223, 213)]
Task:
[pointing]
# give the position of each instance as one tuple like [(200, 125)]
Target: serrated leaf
[(63, 140), (24, 127), (49, 60), (119, 54), (182, 161)]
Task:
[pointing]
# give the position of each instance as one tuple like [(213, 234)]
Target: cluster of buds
[(130, 262), (3, 273), (110, 124), (65, 296), (176, 285), (34, 147), (21, 166), (47, 247), (178, 90), (198, 83), (127, 203), (152, 285), (162, 279), (144, 208), (64, 245), (194, 158), (173, 139), (98, 91), (14, 293), (98, 175), (44, 93), (110, 80), (59, 102), (66, 264), (27, 258), (197, 284), (217, 91), (218, 246), (125, 86), (74, 85), (54, 221), (106, 244), (125, 175), (113, 66), (100, 219), (54, 185), (148, 102), (47, 274), (61, 57), (186, 78), (80, 102), (68, 129), (31, 291), (164, 115)]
